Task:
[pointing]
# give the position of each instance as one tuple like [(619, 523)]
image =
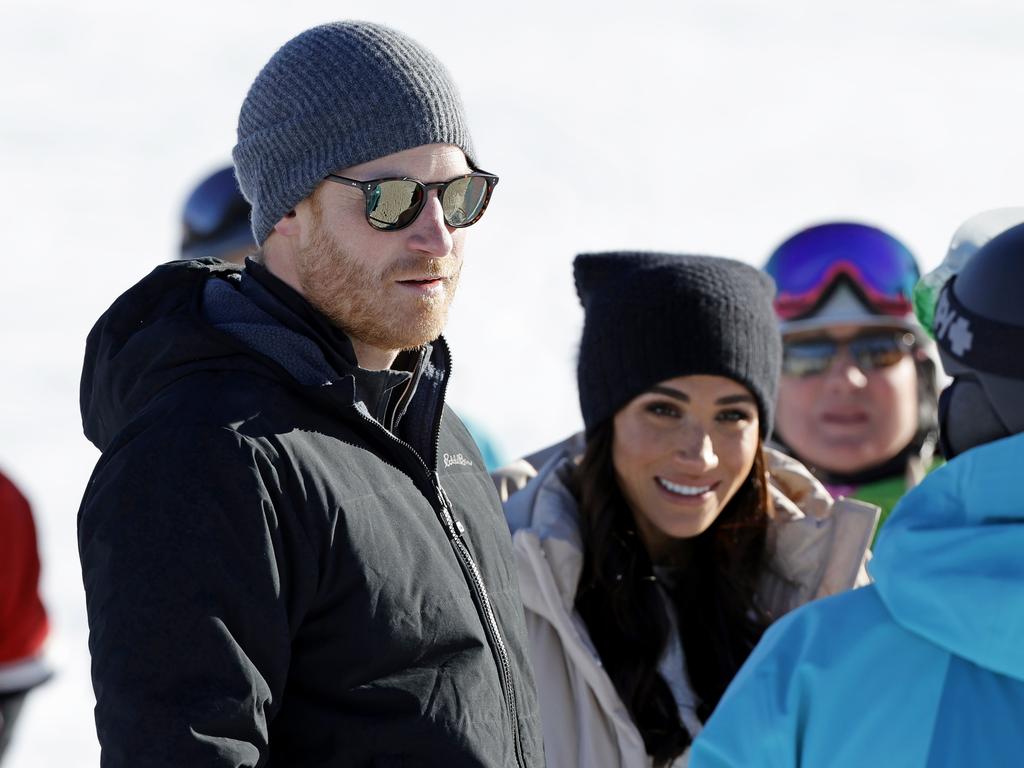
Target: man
[(292, 552), (215, 220), (857, 398), (926, 666), (23, 622), (215, 224)]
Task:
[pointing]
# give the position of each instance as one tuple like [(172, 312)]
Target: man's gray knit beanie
[(335, 96)]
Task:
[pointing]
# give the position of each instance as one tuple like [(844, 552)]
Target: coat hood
[(547, 509), (150, 337), (817, 544), (949, 564), (209, 318)]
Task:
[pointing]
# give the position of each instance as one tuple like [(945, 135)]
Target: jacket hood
[(150, 337), (547, 509), (817, 544), (205, 317), (949, 564)]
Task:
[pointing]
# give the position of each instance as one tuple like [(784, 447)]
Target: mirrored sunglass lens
[(877, 351), (807, 358), (463, 199), (394, 203)]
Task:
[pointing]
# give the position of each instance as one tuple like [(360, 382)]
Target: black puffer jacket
[(272, 577)]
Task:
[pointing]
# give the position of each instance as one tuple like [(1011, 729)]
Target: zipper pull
[(455, 528)]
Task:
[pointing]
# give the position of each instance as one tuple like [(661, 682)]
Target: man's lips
[(422, 280), (425, 286)]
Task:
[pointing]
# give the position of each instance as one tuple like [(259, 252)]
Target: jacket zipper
[(454, 531), (476, 578)]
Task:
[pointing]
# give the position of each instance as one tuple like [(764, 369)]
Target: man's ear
[(288, 225)]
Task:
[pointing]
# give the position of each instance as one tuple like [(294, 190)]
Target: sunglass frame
[(367, 188)]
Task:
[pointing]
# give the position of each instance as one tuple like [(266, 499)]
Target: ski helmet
[(215, 218), (968, 238), (979, 329)]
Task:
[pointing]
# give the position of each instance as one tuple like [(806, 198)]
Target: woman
[(651, 564)]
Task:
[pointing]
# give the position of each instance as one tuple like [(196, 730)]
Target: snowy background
[(716, 127)]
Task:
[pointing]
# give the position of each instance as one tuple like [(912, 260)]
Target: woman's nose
[(696, 450)]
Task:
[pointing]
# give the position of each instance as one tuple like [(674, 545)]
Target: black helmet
[(979, 328)]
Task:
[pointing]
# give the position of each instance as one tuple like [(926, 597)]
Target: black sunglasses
[(811, 357), (392, 204)]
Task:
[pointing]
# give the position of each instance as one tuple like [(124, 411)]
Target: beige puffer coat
[(820, 547)]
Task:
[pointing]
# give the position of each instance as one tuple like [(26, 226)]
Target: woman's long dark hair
[(714, 596)]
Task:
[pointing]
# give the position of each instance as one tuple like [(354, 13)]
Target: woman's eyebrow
[(731, 399), (670, 392), (678, 395)]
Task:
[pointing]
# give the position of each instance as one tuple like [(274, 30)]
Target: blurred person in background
[(215, 220), (926, 666), (23, 622), (652, 558), (292, 552), (858, 395)]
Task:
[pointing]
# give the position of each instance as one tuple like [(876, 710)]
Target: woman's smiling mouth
[(685, 491)]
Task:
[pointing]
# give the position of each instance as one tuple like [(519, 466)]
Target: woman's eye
[(734, 416), (663, 409)]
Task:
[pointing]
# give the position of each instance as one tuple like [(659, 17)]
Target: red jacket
[(23, 623)]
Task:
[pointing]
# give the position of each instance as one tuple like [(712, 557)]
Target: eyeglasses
[(392, 204), (809, 263), (812, 357)]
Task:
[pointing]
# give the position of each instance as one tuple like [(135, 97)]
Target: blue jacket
[(923, 668)]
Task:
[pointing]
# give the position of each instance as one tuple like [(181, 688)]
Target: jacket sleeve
[(23, 622), (190, 561)]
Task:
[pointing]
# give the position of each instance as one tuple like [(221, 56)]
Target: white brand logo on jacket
[(456, 458)]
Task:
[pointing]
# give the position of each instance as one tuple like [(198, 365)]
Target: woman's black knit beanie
[(650, 317)]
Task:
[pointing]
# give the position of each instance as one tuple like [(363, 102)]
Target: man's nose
[(429, 234)]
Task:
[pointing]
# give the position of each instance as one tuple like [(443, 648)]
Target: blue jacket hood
[(949, 564)]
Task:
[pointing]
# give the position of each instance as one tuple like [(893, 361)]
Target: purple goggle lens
[(810, 261)]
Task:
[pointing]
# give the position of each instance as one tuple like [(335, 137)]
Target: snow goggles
[(808, 265), (870, 351), (393, 204)]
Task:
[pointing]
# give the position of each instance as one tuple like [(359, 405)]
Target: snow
[(706, 127)]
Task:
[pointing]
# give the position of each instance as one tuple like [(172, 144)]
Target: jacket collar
[(374, 389)]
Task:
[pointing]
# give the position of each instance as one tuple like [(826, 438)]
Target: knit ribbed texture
[(335, 96), (650, 317)]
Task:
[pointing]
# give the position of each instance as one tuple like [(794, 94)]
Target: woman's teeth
[(683, 490)]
